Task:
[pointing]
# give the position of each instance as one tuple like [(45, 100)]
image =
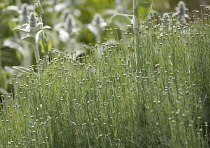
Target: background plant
[(12, 17), (162, 101), (91, 102)]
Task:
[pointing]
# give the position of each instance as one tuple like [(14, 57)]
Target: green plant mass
[(102, 80)]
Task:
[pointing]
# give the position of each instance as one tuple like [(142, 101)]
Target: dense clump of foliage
[(138, 87)]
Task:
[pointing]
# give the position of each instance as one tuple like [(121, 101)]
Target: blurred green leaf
[(3, 80), (41, 43), (29, 39), (45, 43), (12, 8), (143, 9), (22, 30), (93, 29), (49, 44), (9, 42), (38, 9)]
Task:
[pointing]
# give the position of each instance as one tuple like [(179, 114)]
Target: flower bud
[(38, 9)]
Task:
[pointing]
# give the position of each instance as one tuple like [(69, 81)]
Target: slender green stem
[(135, 15), (136, 34), (0, 57), (98, 36), (36, 51)]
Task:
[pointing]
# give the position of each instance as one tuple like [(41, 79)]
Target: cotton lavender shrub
[(110, 102)]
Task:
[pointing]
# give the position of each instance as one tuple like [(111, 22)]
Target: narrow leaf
[(93, 29), (29, 39), (41, 43), (22, 30), (12, 8), (49, 44), (38, 35), (15, 45), (24, 70), (3, 80), (46, 27)]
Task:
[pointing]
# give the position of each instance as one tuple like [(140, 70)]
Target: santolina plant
[(114, 101)]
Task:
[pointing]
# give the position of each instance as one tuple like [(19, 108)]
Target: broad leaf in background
[(143, 9), (10, 42), (123, 18)]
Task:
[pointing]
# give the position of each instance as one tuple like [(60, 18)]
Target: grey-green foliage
[(35, 30), (142, 9), (106, 102)]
